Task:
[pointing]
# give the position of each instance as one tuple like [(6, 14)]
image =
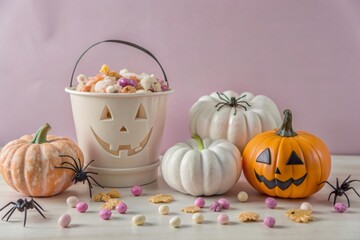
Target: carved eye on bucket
[(141, 114), (106, 114), (294, 159)]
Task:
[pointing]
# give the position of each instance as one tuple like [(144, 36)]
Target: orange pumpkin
[(284, 163), (28, 164)]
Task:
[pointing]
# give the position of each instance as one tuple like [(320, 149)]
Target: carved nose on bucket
[(123, 129)]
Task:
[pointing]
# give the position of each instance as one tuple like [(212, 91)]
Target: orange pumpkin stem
[(286, 129), (41, 134), (199, 141)]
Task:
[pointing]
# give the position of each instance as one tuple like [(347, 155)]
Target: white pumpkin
[(202, 167), (237, 118)]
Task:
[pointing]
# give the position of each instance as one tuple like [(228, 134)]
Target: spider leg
[(355, 180), (88, 165), (337, 183), (37, 209), (90, 187), (335, 199), (347, 199), (240, 102), (220, 103), (25, 216), (237, 100), (37, 204), (75, 166), (235, 111), (223, 97), (333, 192), (221, 107), (346, 178), (328, 183), (243, 107), (354, 191), (67, 168), (95, 181), (11, 210), (7, 205)]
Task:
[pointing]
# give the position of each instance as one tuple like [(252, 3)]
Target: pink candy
[(199, 202), (340, 207), (64, 220), (223, 219), (224, 202), (270, 202), (216, 206), (121, 208), (136, 190), (81, 207), (269, 222), (105, 214)]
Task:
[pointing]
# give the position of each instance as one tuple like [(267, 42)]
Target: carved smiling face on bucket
[(123, 133)]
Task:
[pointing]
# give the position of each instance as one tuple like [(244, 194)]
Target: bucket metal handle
[(121, 42)]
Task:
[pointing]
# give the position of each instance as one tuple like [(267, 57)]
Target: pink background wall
[(305, 55)]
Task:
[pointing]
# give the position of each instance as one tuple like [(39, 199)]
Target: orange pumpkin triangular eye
[(294, 159), (106, 114), (264, 157), (141, 114)]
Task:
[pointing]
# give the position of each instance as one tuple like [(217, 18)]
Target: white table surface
[(327, 223)]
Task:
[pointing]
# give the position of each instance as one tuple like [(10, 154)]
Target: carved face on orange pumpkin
[(286, 164), (123, 142)]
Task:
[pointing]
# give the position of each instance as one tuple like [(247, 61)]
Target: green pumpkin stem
[(286, 129), (41, 134), (199, 141)]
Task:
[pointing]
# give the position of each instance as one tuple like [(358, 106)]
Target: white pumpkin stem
[(41, 134), (199, 141)]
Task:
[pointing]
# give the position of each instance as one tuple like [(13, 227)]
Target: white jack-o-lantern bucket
[(121, 132)]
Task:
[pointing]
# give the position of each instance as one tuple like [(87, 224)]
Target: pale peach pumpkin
[(28, 164)]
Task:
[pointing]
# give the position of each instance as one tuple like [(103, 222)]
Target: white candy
[(138, 220), (150, 83), (72, 201), (242, 196), (101, 86), (306, 206), (64, 220), (198, 217), (175, 222), (163, 209)]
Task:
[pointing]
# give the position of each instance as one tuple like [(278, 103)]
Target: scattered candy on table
[(121, 207), (163, 209), (200, 202), (175, 222), (105, 214), (138, 219), (198, 217), (64, 220), (340, 207), (224, 203), (299, 215), (270, 202), (81, 207), (216, 206), (306, 206), (223, 219), (269, 222), (72, 201), (242, 196), (136, 190)]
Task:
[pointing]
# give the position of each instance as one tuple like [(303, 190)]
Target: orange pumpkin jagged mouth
[(283, 185), (131, 151)]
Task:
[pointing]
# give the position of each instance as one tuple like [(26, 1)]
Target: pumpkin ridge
[(319, 159)]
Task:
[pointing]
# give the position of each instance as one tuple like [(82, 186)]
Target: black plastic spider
[(80, 174), (22, 205), (232, 102), (340, 190)]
